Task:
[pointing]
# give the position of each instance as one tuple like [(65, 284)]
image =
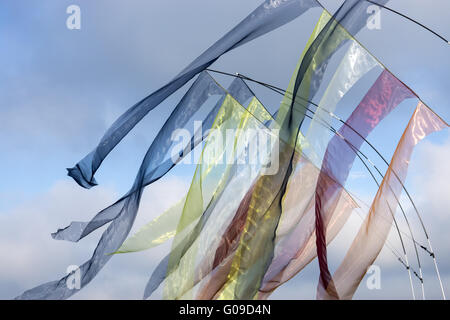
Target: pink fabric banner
[(375, 229), (385, 94)]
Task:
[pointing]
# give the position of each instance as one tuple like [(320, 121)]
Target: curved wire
[(410, 19), (420, 275), (282, 92)]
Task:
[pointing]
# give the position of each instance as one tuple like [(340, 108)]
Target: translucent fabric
[(373, 233), (353, 66), (163, 227), (268, 16), (155, 232), (399, 93), (299, 262), (290, 237), (201, 92), (386, 93), (349, 16), (221, 263), (121, 214), (347, 21), (217, 257), (245, 227), (208, 200), (356, 63), (235, 285), (250, 262), (255, 246), (244, 278), (295, 246)]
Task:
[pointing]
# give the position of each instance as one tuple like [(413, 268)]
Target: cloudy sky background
[(61, 89)]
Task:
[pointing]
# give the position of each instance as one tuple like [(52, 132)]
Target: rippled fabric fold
[(267, 17), (225, 251), (121, 215), (159, 163), (243, 279), (255, 245), (252, 219), (295, 245), (373, 232), (249, 264), (364, 61), (208, 196), (163, 227), (355, 64), (386, 93)]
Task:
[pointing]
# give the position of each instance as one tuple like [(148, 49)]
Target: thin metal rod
[(281, 91), (358, 154), (353, 148), (410, 19)]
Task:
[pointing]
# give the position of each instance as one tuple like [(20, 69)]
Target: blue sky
[(60, 89)]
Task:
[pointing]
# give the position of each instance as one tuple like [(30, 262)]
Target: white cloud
[(31, 257)]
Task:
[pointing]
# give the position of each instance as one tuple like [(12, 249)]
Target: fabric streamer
[(296, 249), (245, 278), (163, 227), (231, 238), (356, 63), (121, 214), (269, 16), (207, 184), (286, 113), (208, 197), (386, 93), (297, 263), (203, 89), (268, 194), (153, 282), (373, 232)]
